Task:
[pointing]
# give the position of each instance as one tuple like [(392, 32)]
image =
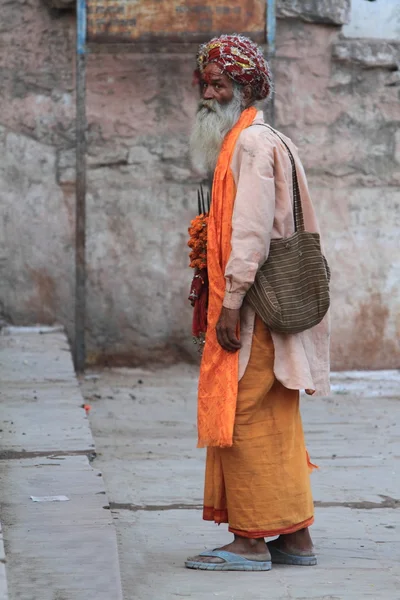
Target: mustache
[(208, 104)]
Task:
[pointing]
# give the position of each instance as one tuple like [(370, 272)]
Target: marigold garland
[(198, 241)]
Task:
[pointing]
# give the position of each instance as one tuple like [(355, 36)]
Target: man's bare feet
[(248, 548), (298, 543)]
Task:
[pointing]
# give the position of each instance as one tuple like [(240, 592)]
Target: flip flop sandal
[(233, 562), (283, 558)]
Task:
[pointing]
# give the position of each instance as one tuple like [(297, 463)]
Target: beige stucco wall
[(340, 104)]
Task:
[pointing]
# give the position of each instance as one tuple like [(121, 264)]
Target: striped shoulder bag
[(291, 290)]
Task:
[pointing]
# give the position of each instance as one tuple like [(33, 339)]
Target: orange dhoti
[(261, 484)]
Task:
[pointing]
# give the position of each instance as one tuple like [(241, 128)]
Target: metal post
[(271, 41), (80, 207), (271, 27)]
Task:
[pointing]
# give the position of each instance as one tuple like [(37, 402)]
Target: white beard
[(213, 121)]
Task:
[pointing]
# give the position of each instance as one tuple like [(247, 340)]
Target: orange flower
[(198, 242)]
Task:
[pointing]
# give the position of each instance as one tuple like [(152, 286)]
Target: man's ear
[(247, 95)]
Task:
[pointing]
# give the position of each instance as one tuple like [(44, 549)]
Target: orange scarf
[(218, 383)]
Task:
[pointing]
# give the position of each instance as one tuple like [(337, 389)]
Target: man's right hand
[(226, 329)]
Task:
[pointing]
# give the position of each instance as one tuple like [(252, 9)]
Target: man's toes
[(206, 559)]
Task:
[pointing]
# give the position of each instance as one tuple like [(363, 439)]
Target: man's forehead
[(213, 71)]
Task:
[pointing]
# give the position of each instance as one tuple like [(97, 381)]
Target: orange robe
[(261, 484)]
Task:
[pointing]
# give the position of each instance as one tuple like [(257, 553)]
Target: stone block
[(368, 53), (299, 40), (139, 155), (99, 156), (36, 159), (174, 149), (332, 12), (178, 174)]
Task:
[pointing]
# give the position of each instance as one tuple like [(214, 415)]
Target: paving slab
[(144, 424), (58, 550), (43, 418), (40, 398), (35, 354), (53, 550)]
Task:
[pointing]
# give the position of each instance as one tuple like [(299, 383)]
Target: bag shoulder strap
[(297, 207)]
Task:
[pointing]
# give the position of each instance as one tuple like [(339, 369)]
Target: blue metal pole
[(271, 26), (80, 206), (81, 26)]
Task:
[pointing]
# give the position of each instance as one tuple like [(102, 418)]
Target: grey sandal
[(284, 558), (233, 562)]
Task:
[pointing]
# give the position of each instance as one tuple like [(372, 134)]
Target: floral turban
[(239, 58)]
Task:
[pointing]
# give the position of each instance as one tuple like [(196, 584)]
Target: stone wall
[(141, 193), (337, 99)]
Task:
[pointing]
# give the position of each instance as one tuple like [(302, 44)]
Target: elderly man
[(257, 471)]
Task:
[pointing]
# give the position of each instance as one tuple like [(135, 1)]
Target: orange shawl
[(218, 383)]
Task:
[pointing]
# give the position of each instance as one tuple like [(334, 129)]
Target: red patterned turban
[(239, 58)]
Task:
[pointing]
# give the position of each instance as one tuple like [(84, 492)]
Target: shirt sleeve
[(253, 216)]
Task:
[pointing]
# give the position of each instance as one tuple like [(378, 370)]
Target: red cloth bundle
[(199, 299)]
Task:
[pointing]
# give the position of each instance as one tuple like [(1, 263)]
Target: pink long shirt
[(263, 211)]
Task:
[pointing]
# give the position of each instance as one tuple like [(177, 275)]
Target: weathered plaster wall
[(141, 195), (36, 225), (338, 101)]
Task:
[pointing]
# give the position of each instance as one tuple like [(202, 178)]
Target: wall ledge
[(330, 12), (368, 53)]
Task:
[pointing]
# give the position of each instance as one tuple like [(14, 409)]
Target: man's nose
[(208, 92)]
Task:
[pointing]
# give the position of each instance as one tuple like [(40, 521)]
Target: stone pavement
[(54, 550), (144, 426)]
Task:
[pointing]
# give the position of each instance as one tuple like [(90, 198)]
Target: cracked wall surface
[(339, 101)]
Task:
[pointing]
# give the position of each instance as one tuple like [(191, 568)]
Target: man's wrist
[(233, 300)]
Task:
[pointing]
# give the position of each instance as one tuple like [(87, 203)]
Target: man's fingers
[(231, 333), (223, 340), (220, 338), (227, 340)]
